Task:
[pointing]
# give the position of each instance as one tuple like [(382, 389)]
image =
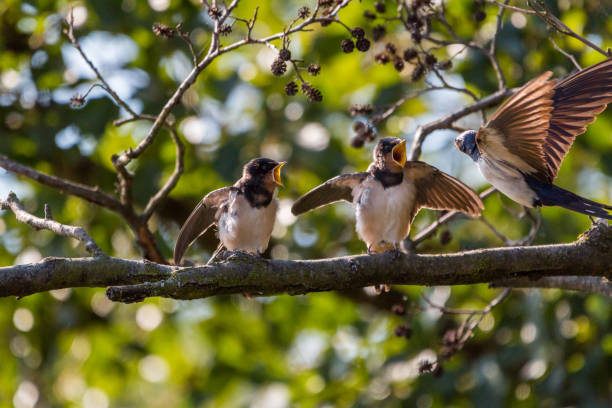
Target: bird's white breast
[(507, 180), (383, 214), (242, 227)]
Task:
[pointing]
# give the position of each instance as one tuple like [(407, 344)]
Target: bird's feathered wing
[(335, 189), (534, 129), (200, 219), (439, 191), (517, 131), (576, 101)]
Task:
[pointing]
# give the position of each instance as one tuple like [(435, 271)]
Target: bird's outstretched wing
[(518, 129), (535, 128), (335, 189), (439, 191), (576, 101), (202, 217)]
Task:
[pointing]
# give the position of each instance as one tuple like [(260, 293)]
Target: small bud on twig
[(314, 69), (77, 100), (279, 67), (291, 88), (303, 12), (347, 45), (162, 30)]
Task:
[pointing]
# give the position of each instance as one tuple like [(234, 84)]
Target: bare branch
[(78, 233), (423, 131), (568, 55), (588, 284), (70, 33), (214, 51), (513, 8), (56, 273), (185, 37), (501, 81), (241, 273), (172, 181), (540, 8), (91, 194)]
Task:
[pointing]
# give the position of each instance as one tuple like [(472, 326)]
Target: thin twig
[(501, 81), (185, 37), (568, 55), (513, 8), (156, 200), (549, 18), (70, 33)]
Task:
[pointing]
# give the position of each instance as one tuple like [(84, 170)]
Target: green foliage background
[(540, 348)]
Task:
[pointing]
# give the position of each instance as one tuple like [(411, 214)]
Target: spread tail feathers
[(552, 195)]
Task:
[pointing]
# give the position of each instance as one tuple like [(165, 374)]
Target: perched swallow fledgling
[(390, 193), (519, 151), (244, 213)]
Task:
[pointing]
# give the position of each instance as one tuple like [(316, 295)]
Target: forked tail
[(550, 194)]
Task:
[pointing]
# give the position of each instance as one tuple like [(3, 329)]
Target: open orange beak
[(277, 173), (399, 153)]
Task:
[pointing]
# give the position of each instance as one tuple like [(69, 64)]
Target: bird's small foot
[(396, 252), (238, 255)]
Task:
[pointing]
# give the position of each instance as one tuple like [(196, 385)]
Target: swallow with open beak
[(519, 151), (244, 213), (390, 193)]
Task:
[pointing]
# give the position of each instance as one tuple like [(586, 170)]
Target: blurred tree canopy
[(541, 348)]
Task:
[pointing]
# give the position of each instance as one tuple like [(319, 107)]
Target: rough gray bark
[(589, 256)]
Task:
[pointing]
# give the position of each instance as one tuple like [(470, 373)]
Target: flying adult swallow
[(519, 151), (390, 193), (244, 213)]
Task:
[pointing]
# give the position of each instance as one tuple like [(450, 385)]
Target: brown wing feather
[(202, 217), (335, 189), (518, 129), (439, 191), (576, 101)]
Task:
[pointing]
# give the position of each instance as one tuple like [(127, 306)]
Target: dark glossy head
[(466, 142), (390, 153), (263, 170)]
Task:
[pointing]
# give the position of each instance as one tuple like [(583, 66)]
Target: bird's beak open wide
[(399, 153), (277, 173)]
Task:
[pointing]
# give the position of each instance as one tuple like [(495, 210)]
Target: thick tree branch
[(56, 273), (589, 256), (240, 273), (13, 204)]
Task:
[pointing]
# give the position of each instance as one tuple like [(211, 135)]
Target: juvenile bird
[(519, 151), (390, 193), (244, 213)]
